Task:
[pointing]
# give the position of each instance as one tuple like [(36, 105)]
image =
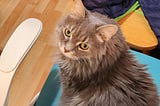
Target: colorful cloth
[(112, 8)]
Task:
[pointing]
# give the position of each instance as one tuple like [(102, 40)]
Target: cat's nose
[(65, 50)]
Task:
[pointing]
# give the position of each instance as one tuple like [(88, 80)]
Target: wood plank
[(9, 6), (34, 69)]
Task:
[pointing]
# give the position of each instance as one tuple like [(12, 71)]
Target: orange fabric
[(137, 31)]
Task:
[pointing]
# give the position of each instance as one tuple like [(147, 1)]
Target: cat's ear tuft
[(78, 9), (106, 32)]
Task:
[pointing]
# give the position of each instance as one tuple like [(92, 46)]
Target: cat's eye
[(83, 46), (67, 32)]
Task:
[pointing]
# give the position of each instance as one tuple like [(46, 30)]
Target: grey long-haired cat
[(96, 66)]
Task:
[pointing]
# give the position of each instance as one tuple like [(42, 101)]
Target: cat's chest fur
[(121, 86)]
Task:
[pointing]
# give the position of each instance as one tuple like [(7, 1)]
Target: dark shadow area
[(155, 53), (0, 52)]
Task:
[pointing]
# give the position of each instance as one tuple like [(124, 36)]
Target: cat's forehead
[(83, 27), (91, 20), (80, 26)]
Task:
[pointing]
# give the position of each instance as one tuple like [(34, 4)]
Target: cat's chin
[(69, 55)]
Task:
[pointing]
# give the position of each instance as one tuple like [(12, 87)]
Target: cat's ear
[(78, 9), (106, 32)]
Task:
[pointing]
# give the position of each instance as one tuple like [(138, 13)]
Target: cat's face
[(82, 35), (79, 41)]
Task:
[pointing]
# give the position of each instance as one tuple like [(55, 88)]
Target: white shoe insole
[(15, 50)]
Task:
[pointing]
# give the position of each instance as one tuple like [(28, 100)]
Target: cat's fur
[(105, 75)]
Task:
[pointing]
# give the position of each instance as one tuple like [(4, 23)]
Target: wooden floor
[(33, 71)]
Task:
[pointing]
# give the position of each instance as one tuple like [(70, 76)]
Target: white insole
[(15, 50)]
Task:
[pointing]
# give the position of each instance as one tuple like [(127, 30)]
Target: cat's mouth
[(67, 53)]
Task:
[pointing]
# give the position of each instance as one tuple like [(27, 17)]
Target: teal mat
[(51, 92)]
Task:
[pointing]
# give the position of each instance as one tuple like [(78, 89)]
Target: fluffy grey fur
[(105, 75)]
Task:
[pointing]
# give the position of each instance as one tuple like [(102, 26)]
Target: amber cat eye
[(83, 46), (67, 32)]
